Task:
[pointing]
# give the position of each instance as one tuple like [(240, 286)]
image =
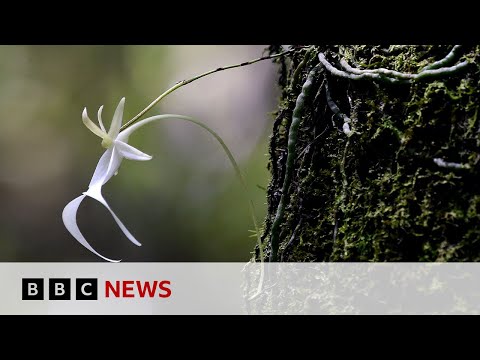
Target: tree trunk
[(376, 166)]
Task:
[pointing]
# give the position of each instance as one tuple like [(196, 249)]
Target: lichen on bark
[(379, 194)]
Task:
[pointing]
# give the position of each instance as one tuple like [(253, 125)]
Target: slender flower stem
[(219, 139), (188, 81), (235, 166)]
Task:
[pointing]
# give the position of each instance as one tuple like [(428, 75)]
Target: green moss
[(382, 198)]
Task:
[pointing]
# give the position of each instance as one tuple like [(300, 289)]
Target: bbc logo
[(59, 289)]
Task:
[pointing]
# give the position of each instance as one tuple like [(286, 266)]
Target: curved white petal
[(69, 216), (117, 120), (96, 193), (129, 152), (107, 167), (91, 125), (114, 164), (100, 121), (102, 168)]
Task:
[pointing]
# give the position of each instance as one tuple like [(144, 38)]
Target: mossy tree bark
[(380, 194)]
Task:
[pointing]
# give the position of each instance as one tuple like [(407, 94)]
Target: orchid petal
[(131, 153), (101, 169), (117, 120), (91, 125), (96, 193), (99, 115), (114, 164), (69, 216), (107, 166)]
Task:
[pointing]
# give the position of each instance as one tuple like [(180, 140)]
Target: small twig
[(185, 82), (312, 142)]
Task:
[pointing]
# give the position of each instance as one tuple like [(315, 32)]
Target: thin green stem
[(234, 163), (188, 81), (136, 124)]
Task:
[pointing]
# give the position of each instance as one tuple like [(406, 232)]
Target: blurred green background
[(185, 204)]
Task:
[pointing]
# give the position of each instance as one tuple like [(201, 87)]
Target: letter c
[(82, 289)]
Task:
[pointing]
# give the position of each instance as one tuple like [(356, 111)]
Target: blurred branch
[(185, 82)]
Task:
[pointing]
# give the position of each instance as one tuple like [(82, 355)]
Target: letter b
[(59, 289), (32, 289)]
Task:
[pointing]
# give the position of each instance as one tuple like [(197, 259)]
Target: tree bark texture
[(380, 168)]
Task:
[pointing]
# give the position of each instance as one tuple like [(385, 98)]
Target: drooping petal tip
[(85, 117), (100, 121), (131, 153), (95, 193), (69, 217)]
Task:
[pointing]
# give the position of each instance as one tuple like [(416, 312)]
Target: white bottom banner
[(236, 288)]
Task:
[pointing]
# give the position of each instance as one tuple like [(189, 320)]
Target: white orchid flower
[(117, 148), (116, 143)]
